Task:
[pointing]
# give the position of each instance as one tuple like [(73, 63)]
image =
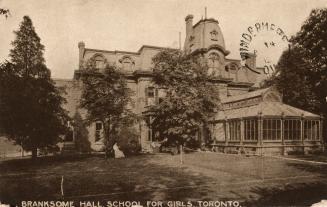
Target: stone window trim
[(125, 57), (97, 59), (127, 62), (232, 68)]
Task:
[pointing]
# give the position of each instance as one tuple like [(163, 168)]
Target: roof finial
[(205, 12)]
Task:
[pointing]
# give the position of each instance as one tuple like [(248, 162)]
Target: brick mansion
[(251, 120)]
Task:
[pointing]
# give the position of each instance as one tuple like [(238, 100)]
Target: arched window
[(214, 63), (233, 68), (127, 63)]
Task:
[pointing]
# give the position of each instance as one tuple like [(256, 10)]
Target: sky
[(128, 24)]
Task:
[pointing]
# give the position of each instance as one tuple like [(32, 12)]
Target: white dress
[(118, 152)]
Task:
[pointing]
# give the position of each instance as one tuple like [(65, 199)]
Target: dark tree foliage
[(190, 96), (106, 98), (302, 70), (30, 104), (81, 140), (313, 42), (293, 79), (4, 12)]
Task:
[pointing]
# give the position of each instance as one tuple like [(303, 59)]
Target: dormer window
[(99, 62), (233, 68), (214, 35), (127, 63)]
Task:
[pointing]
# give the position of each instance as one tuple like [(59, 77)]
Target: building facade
[(251, 120)]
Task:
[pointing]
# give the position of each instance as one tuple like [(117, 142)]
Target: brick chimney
[(250, 60), (189, 24), (81, 47), (189, 30)]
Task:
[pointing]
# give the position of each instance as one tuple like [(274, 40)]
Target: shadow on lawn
[(296, 194), (88, 178), (143, 178), (17, 165)]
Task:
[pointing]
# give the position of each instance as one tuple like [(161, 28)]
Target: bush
[(193, 144), (128, 141)]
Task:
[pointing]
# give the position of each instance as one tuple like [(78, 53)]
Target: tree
[(190, 100), (4, 12), (311, 39), (106, 97), (291, 68), (81, 140), (302, 70), (31, 112)]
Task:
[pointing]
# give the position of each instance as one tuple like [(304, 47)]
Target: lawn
[(253, 181)]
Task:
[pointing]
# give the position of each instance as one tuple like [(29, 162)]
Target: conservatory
[(259, 123)]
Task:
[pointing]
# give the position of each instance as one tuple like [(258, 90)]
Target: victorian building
[(251, 120)]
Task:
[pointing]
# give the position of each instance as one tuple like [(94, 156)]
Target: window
[(99, 62), (213, 63), (292, 129), (214, 35), (311, 130), (250, 129), (98, 130), (271, 129), (233, 68), (127, 63), (151, 94), (149, 134), (152, 135), (235, 130)]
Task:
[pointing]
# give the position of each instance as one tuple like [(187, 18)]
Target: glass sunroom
[(259, 123)]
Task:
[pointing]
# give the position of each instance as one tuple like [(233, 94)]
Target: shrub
[(128, 141), (193, 144)]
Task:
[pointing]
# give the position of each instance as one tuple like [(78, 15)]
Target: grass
[(254, 181)]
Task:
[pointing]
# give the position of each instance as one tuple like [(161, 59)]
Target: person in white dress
[(118, 152)]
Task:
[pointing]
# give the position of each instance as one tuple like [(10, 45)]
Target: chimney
[(81, 47), (250, 60), (189, 24), (189, 31)]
